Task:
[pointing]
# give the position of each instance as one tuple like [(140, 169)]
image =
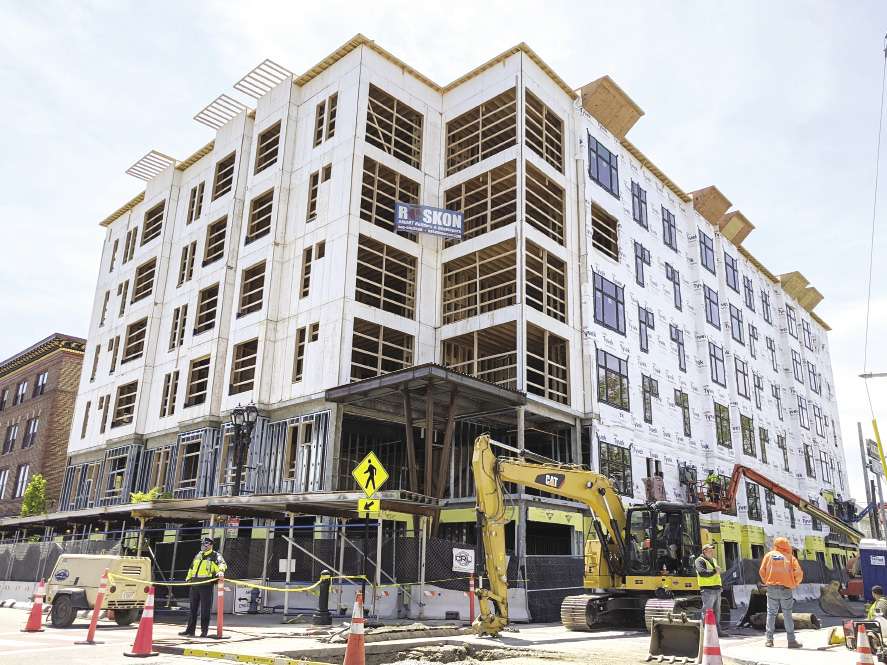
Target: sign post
[(370, 475)]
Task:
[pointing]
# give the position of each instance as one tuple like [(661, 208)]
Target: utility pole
[(873, 514), (878, 507)]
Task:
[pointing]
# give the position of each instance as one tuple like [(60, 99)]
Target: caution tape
[(262, 587)]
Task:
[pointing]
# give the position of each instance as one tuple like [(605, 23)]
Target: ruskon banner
[(425, 219)]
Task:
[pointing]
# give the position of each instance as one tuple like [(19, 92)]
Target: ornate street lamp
[(243, 418)]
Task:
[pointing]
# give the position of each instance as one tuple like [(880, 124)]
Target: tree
[(34, 499)]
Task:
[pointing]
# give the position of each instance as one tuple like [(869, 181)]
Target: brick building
[(38, 387)]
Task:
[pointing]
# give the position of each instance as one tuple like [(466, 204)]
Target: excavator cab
[(662, 539)]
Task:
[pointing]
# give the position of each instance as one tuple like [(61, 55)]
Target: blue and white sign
[(425, 219)]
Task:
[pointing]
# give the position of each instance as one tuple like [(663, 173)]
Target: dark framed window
[(758, 384), (797, 367), (612, 380), (747, 427), (814, 378), (753, 498), (817, 421), (646, 323), (603, 166), (707, 252), (638, 204), (737, 331), (641, 259), (682, 401), (722, 426), (809, 461), (609, 304), (669, 229), (732, 270), (716, 362), (649, 390), (807, 334), (803, 417), (677, 336), (614, 462), (749, 293), (753, 340), (741, 377), (712, 309), (771, 349), (781, 444), (764, 440), (792, 318), (765, 306), (674, 277), (776, 393)]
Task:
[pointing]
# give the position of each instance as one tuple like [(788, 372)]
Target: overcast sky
[(776, 103)]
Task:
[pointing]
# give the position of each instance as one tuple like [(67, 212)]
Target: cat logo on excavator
[(550, 479)]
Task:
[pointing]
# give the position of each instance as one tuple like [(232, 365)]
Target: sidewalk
[(751, 651)]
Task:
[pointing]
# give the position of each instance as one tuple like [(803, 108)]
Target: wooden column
[(443, 467), (427, 489), (411, 446)]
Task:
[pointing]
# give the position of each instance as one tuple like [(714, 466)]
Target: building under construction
[(592, 312)]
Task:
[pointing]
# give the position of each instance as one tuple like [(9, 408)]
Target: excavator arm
[(729, 502), (568, 481)]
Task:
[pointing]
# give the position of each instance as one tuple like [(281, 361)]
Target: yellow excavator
[(640, 560)]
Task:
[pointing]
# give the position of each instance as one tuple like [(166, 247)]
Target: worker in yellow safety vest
[(879, 603), (708, 576), (207, 564)]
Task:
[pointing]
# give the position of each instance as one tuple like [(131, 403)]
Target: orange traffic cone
[(711, 648), (355, 653), (863, 648), (96, 611), (144, 644), (35, 618)]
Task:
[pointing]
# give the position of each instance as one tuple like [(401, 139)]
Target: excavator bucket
[(833, 603), (675, 639)]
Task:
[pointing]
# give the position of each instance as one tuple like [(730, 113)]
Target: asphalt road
[(56, 646)]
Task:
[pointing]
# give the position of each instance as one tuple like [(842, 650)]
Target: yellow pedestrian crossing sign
[(369, 507), (370, 474)]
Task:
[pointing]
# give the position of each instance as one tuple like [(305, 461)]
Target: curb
[(292, 658), (237, 657)]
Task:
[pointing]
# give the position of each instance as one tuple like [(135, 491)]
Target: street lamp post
[(243, 418)]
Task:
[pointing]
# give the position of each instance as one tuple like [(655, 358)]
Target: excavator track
[(659, 609), (578, 612)]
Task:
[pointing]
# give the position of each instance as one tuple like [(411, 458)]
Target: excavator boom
[(569, 481)]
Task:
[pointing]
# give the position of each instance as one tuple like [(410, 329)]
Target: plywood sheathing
[(735, 227), (793, 283), (797, 286), (810, 298), (609, 104), (711, 203)]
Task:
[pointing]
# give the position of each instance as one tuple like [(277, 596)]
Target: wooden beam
[(429, 438), (411, 446), (443, 467)]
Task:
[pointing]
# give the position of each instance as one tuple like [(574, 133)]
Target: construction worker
[(879, 603), (207, 564), (781, 573), (708, 576)]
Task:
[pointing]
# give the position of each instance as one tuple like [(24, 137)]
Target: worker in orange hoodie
[(781, 573)]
